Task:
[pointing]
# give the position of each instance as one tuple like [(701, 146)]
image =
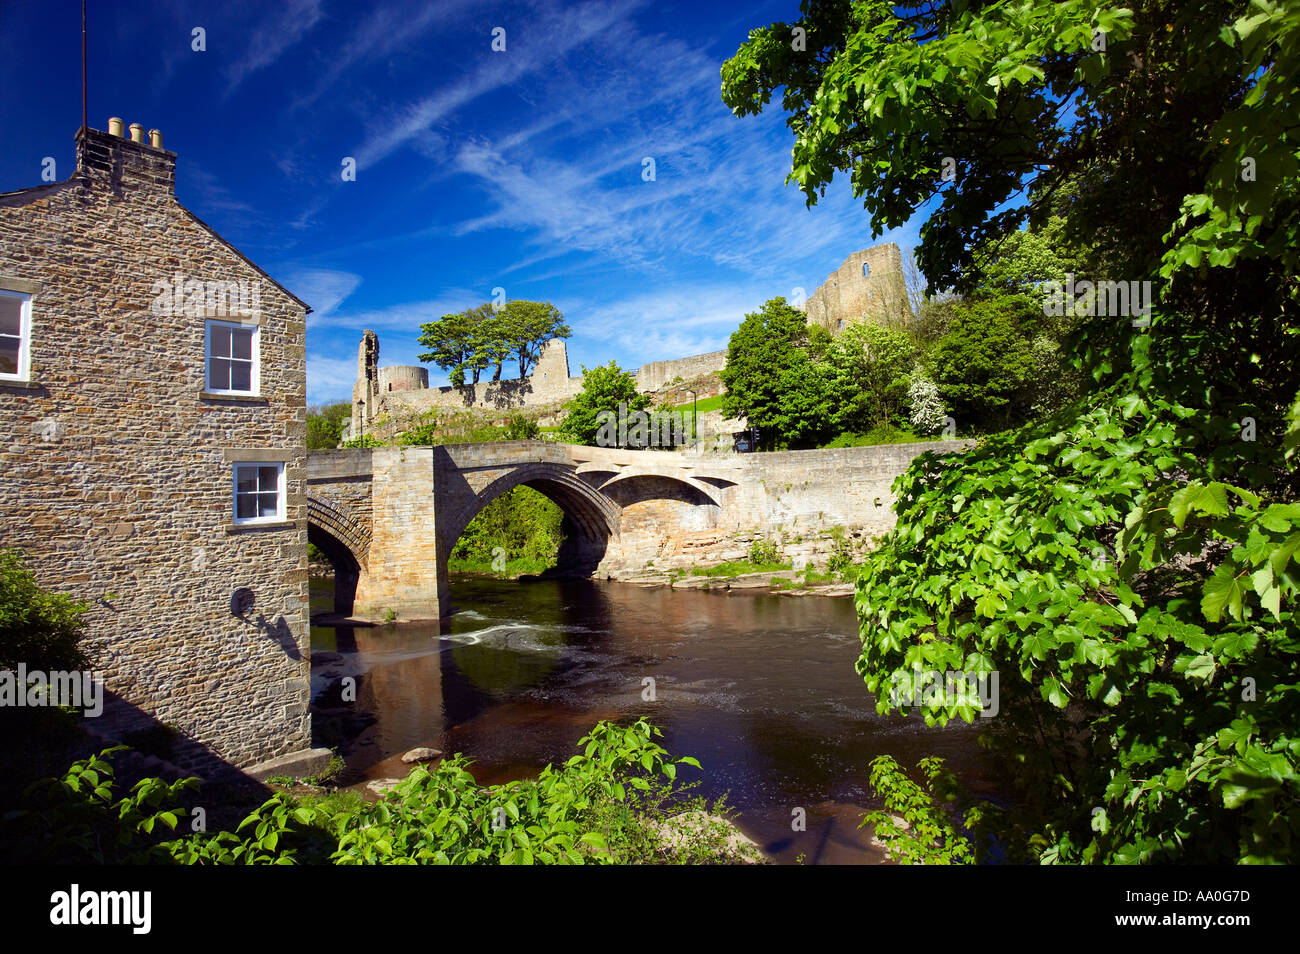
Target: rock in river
[(422, 754)]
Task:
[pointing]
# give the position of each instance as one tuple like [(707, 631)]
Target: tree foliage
[(522, 522), (465, 344), (325, 425), (774, 381), (1128, 566), (604, 389)]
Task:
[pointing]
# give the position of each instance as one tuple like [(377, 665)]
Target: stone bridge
[(389, 517)]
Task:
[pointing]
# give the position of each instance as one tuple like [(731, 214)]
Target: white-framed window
[(259, 492), (232, 358), (15, 335)]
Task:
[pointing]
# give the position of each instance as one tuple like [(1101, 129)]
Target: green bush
[(365, 440), (764, 553), (605, 805), (43, 630), (325, 425), (523, 525)]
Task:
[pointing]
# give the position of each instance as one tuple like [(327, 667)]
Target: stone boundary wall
[(653, 376)]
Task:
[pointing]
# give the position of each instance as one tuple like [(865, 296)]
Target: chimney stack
[(126, 164)]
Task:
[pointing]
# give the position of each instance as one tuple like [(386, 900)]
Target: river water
[(759, 687)]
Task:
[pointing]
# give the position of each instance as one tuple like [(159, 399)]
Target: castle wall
[(653, 376), (403, 377), (849, 297)]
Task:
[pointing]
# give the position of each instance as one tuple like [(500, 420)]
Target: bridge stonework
[(389, 517)]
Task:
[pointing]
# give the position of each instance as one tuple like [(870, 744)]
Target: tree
[(525, 326), (452, 342), (871, 367), (926, 411), (984, 363), (605, 390), (1129, 565), (325, 425), (773, 381)]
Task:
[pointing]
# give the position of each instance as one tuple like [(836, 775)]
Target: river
[(759, 687)]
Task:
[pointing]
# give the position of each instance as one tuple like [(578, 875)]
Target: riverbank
[(781, 581)]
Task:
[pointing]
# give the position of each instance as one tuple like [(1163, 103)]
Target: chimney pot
[(115, 127), (155, 138), (137, 132)]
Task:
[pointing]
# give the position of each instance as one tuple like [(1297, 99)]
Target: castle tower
[(867, 288), (365, 392)]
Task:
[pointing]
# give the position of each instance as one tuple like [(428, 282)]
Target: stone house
[(153, 435)]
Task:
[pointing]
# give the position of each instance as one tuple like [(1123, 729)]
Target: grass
[(877, 435), (739, 568), (706, 405)]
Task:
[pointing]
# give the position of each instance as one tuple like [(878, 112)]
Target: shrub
[(764, 553), (43, 630)]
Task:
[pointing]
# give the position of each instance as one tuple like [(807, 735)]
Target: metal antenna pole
[(83, 67)]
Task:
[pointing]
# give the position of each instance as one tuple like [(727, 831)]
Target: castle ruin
[(867, 288)]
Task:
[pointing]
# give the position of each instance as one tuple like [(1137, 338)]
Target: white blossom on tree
[(927, 411)]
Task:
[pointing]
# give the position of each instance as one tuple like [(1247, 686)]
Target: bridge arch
[(346, 542), (595, 515)]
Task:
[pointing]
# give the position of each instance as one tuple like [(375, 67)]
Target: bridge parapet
[(325, 465)]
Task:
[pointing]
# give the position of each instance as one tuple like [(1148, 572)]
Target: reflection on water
[(760, 688)]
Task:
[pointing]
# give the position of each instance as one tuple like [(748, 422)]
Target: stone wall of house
[(118, 467)]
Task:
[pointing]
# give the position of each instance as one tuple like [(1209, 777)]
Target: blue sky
[(476, 169)]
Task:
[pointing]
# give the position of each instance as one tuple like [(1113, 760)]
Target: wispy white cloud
[(322, 288), (386, 29), (329, 378), (268, 40), (543, 41), (404, 316)]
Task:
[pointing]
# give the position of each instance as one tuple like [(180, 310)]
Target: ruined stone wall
[(118, 468), (653, 376), (849, 296)]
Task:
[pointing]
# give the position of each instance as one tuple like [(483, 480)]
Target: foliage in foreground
[(605, 805), (916, 825), (1128, 566)]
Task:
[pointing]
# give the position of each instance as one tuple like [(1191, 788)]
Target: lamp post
[(695, 417), (362, 418)]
